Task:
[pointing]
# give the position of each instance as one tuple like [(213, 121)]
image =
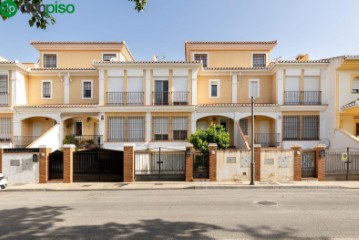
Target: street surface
[(180, 214)]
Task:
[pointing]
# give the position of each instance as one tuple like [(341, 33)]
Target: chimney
[(154, 58), (302, 57)]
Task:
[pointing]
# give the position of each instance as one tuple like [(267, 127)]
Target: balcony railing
[(84, 141), (170, 98), (24, 141), (267, 139), (4, 99), (303, 98), (125, 98)]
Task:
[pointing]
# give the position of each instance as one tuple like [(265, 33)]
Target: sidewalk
[(90, 186)]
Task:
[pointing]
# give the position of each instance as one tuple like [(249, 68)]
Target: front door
[(78, 128), (36, 129)]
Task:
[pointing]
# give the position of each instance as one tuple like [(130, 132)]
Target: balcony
[(125, 98), (24, 141), (84, 141), (4, 99), (267, 139), (170, 98), (303, 98)]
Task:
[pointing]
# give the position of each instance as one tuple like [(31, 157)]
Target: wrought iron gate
[(308, 163), (98, 165), (160, 164), (200, 165), (56, 165)]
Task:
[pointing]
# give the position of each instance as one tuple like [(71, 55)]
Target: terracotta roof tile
[(238, 105), (232, 42), (143, 62), (58, 106), (309, 61), (65, 69), (64, 42)]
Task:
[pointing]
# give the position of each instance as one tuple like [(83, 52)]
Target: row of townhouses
[(97, 93)]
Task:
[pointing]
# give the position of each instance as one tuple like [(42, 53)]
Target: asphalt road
[(180, 214)]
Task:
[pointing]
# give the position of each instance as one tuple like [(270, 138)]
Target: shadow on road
[(39, 223)]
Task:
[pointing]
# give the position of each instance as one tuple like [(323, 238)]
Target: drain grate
[(268, 203)]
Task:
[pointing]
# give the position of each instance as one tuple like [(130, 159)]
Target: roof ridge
[(232, 42)]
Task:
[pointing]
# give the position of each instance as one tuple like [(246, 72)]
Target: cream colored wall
[(76, 59), (229, 58), (88, 125), (203, 90), (27, 125), (76, 90), (34, 90), (266, 89), (348, 123)]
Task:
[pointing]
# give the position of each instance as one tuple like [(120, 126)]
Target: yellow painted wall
[(88, 125), (34, 90), (216, 120), (203, 90), (76, 90), (27, 125), (266, 89)]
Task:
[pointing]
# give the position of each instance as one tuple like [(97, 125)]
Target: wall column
[(280, 86), (278, 127), (257, 163), (297, 162), (67, 89), (129, 162), (212, 162), (1, 154), (68, 162), (16, 125), (193, 123), (189, 162), (101, 88), (194, 88), (102, 126), (13, 88), (148, 91), (320, 162), (148, 127), (44, 164), (234, 87)]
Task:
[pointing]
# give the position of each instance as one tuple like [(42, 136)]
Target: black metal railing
[(24, 141), (4, 99), (84, 141), (303, 98), (125, 98), (267, 139), (170, 98)]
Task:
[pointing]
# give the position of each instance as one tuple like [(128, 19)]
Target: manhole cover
[(268, 203), (158, 184)]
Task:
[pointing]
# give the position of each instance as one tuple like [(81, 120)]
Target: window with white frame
[(46, 89), (136, 129), (355, 85), (5, 130), (3, 90), (50, 60), (214, 88), (254, 88), (243, 123), (116, 127), (180, 128), (86, 89), (203, 57), (109, 56), (259, 59), (161, 128)]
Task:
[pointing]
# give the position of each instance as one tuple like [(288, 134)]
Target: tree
[(38, 16), (213, 134)]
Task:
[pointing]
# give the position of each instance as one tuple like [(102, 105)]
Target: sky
[(322, 28)]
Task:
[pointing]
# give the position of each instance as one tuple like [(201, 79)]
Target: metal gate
[(308, 164), (200, 165), (98, 165), (160, 164), (56, 165)]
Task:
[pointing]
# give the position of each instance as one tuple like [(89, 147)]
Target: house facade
[(96, 93)]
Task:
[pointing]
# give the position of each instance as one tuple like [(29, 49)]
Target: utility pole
[(252, 140)]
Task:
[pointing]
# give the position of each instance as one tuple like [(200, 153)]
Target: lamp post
[(252, 140)]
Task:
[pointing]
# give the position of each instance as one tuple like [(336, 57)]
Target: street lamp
[(252, 140)]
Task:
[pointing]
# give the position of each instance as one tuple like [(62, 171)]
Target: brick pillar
[(44, 164), (320, 162), (69, 162), (1, 153), (212, 162), (129, 162), (257, 163), (297, 162), (189, 162)]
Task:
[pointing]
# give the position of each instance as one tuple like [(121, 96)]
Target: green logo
[(8, 8)]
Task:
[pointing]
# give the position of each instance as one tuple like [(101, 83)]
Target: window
[(136, 129), (214, 88), (243, 123), (116, 126), (201, 57), (160, 128), (161, 92), (300, 127), (109, 56), (46, 90), (86, 89), (3, 90), (254, 88), (50, 61), (5, 130), (355, 85), (259, 60), (225, 123), (180, 127)]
